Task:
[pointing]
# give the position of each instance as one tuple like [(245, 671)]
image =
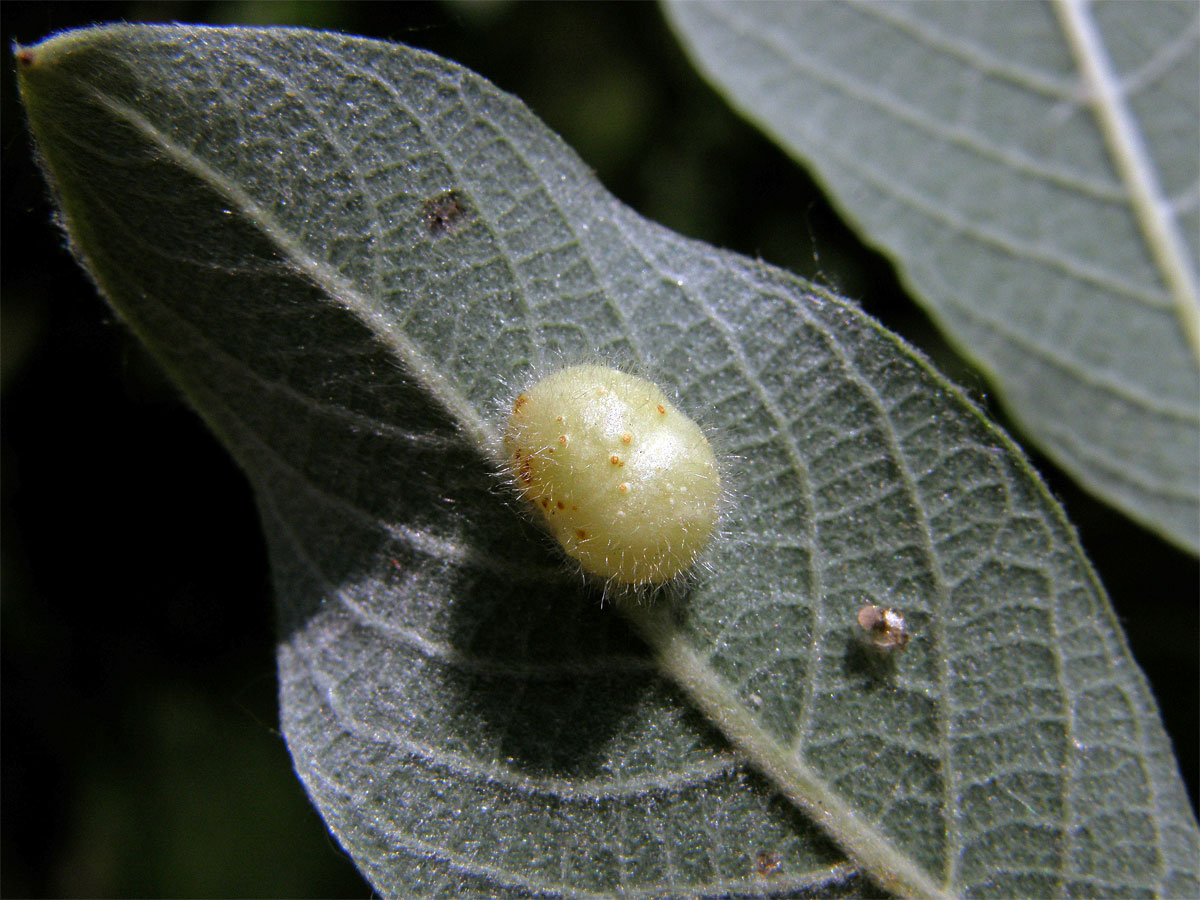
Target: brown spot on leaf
[(444, 212)]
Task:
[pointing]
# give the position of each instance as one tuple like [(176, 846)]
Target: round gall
[(626, 482)]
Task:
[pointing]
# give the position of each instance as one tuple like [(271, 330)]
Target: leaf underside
[(350, 254), (1055, 240)]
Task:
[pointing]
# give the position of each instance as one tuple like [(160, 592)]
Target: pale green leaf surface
[(468, 718), (1036, 179)]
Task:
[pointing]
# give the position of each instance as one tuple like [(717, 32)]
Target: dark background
[(139, 741)]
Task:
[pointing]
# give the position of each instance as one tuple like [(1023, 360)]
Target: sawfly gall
[(626, 483)]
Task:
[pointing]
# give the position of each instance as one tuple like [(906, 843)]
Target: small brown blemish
[(525, 473), (521, 400), (626, 437), (767, 864), (562, 439), (581, 534), (616, 460), (444, 211), (662, 410), (559, 419), (24, 57), (561, 505), (885, 627), (623, 487)]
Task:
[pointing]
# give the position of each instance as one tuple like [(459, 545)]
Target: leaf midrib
[(335, 285), (802, 785), (1133, 163)]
